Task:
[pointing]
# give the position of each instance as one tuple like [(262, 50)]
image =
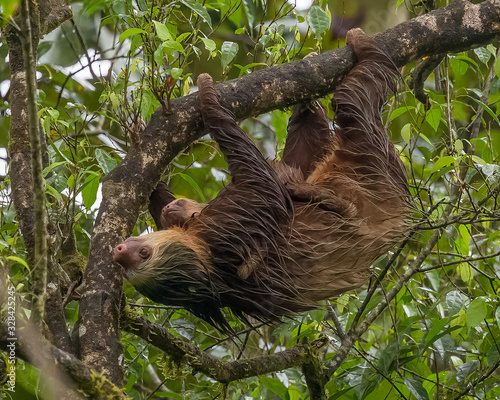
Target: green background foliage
[(103, 74)]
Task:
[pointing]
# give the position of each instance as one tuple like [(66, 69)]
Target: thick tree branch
[(20, 148), (316, 378), (457, 27), (52, 14), (181, 351), (39, 269)]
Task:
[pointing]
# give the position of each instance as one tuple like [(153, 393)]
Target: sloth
[(283, 235)]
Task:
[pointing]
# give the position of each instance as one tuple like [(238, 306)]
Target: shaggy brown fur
[(281, 238)]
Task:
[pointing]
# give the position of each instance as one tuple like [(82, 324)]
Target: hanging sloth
[(282, 235)]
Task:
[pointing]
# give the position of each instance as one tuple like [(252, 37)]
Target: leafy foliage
[(438, 339)]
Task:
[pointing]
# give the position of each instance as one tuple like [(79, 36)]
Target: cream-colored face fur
[(157, 245)]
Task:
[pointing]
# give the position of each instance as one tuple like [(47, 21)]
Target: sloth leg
[(362, 147), (308, 137), (160, 197)]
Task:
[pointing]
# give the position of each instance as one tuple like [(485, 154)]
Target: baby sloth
[(282, 235)]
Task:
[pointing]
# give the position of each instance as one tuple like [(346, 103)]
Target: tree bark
[(182, 352), (47, 16)]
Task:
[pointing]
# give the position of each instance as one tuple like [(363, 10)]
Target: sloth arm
[(244, 225)]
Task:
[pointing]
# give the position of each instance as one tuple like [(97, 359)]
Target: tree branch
[(23, 104), (52, 14), (182, 352), (39, 269)]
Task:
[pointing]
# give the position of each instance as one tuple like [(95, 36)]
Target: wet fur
[(282, 237)]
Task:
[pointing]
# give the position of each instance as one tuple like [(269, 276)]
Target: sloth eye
[(144, 252)]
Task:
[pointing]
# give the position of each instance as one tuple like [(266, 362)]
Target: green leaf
[(433, 118), (459, 146), (200, 10), (294, 393), (339, 395), (162, 31), (89, 191), (342, 302), (426, 138), (176, 73), (8, 227), (193, 184), (406, 133), (279, 123), (443, 162), (476, 312), (170, 46), (145, 107), (52, 166), (459, 67), (388, 355), (209, 44), (19, 261), (274, 385), (53, 192), (487, 109), (455, 301), (318, 20), (436, 327), (130, 32), (40, 94), (115, 100), (493, 354), (416, 388), (182, 36), (464, 240), (464, 370), (400, 111), (497, 67), (105, 161), (483, 54), (425, 152), (479, 160), (497, 316), (467, 60), (229, 51), (158, 55), (466, 272), (246, 69), (54, 114)]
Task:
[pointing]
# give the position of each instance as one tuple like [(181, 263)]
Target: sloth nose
[(121, 254), (119, 250)]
